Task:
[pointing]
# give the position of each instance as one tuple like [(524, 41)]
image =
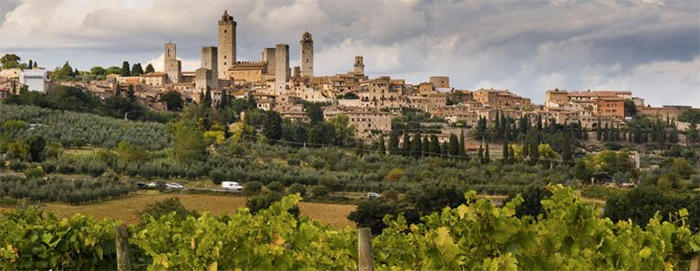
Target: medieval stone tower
[(227, 44), (359, 65), (281, 68), (171, 66), (307, 55), (210, 57)]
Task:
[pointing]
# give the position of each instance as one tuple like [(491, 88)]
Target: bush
[(217, 176), (390, 194), (276, 186), (165, 207), (262, 202), (320, 190), (394, 175), (297, 188), (252, 187), (34, 172)]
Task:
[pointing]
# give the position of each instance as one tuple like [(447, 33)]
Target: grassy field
[(126, 209)]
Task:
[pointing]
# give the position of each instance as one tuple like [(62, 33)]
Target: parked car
[(233, 186), (372, 195), (174, 186), (152, 185), (141, 185)]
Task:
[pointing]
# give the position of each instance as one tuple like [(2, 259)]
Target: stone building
[(440, 81), (500, 98), (556, 98), (172, 66), (227, 45), (307, 55), (268, 56), (368, 122), (281, 68)]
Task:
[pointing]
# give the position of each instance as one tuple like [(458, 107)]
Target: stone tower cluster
[(282, 70), (207, 74), (227, 44), (171, 66), (307, 55)]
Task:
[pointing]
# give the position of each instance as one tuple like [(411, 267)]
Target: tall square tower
[(171, 66), (227, 45), (307, 55), (281, 68)]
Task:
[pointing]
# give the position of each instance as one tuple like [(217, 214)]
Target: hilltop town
[(369, 102)]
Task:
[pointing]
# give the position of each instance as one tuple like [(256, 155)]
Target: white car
[(174, 186), (234, 186), (373, 195)]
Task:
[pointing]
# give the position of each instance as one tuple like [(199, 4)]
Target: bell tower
[(307, 55), (227, 45)]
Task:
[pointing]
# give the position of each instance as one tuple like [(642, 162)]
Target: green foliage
[(297, 188), (264, 201), (136, 70), (531, 197), (149, 68), (173, 100), (58, 189), (252, 187), (275, 186), (10, 61), (272, 126), (171, 207), (125, 71), (320, 190), (188, 141)]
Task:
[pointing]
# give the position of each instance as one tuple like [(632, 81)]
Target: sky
[(651, 47)]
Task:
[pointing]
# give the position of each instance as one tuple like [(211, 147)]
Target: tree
[(225, 101), (130, 94), (630, 108), (136, 70), (172, 100), (434, 145), (506, 155), (416, 146), (10, 61), (165, 207), (532, 198), (394, 143), (272, 126), (382, 146), (188, 143), (113, 70), (31, 64), (97, 70), (453, 146), (36, 148), (344, 132), (693, 135), (64, 73), (480, 154), (487, 155), (125, 71), (406, 144), (207, 100), (314, 112), (35, 65), (149, 68), (426, 146)]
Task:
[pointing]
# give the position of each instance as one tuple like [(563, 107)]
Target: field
[(126, 209)]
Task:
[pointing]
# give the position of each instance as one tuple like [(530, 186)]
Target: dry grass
[(126, 209)]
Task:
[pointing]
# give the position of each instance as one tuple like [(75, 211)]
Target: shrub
[(276, 186), (390, 194), (35, 172), (262, 202), (252, 187), (217, 176), (320, 190), (297, 188), (394, 175), (164, 207)]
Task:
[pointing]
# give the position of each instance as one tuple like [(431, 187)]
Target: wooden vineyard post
[(364, 249), (695, 263), (123, 262)]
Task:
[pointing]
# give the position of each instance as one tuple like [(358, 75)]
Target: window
[(225, 31)]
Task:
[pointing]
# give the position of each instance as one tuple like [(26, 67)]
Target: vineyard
[(569, 235)]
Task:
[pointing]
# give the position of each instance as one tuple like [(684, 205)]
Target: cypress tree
[(487, 156), (480, 153), (426, 146), (394, 143), (435, 146), (136, 70), (117, 90), (406, 144), (453, 147), (149, 68), (506, 156), (131, 94), (31, 64), (444, 149), (416, 146), (207, 98), (125, 69)]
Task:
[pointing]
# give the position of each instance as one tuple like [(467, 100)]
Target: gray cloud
[(526, 46)]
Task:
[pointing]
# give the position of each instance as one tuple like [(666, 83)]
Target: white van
[(234, 186)]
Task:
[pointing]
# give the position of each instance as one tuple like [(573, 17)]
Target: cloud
[(526, 46)]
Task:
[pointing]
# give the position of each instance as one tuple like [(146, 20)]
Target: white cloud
[(526, 46)]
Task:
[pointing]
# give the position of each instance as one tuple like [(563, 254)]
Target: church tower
[(359, 67), (227, 44), (307, 55), (171, 66)]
